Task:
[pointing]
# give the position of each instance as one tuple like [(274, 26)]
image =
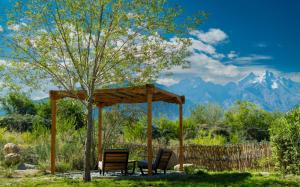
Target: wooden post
[(53, 132), (149, 130), (180, 138), (100, 107)]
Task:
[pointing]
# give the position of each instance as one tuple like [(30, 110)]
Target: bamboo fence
[(254, 156)]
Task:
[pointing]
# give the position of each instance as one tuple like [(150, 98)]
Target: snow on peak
[(267, 78), (274, 85)]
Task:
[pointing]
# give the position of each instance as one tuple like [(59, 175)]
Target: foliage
[(248, 121), (285, 138), (71, 109), (44, 114), (206, 138), (18, 103), (137, 132), (17, 122), (211, 114), (63, 167), (70, 140), (167, 130), (190, 128)]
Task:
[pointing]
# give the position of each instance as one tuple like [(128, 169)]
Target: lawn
[(203, 179)]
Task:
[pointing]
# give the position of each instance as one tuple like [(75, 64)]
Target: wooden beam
[(149, 131), (180, 138), (53, 133), (100, 107)]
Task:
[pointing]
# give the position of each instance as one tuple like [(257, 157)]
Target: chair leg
[(103, 172), (165, 171), (100, 171), (142, 170)]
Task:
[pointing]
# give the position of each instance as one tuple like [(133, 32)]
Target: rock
[(24, 166), (12, 158), (11, 148), (176, 168)]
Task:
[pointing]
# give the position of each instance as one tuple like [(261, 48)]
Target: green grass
[(204, 179)]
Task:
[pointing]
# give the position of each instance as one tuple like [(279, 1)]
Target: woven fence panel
[(219, 158)]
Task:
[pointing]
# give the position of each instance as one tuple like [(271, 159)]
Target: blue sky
[(268, 27), (239, 37), (261, 34)]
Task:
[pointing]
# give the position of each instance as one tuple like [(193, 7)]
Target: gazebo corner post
[(53, 130), (100, 107), (150, 91), (181, 159)]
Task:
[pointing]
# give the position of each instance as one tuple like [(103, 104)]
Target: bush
[(17, 122), (249, 122), (206, 138), (63, 167), (285, 139), (18, 103)]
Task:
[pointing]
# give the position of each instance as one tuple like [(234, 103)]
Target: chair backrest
[(162, 159), (115, 159)]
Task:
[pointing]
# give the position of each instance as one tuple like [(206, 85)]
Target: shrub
[(63, 167), (285, 139), (18, 103), (249, 121), (206, 138), (17, 122), (71, 109)]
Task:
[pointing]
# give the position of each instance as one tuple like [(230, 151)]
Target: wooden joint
[(182, 98), (150, 88), (53, 95)]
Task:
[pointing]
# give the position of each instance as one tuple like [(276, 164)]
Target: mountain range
[(271, 92)]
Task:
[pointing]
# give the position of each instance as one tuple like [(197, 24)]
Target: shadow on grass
[(208, 179), (200, 177)]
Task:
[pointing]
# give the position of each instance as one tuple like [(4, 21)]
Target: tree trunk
[(88, 142)]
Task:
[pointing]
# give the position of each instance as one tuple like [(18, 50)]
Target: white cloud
[(167, 81), (198, 45), (1, 28), (235, 59), (232, 54), (213, 36), (207, 63)]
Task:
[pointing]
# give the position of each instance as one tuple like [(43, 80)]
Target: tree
[(285, 141), (211, 114), (17, 103), (248, 121), (90, 44)]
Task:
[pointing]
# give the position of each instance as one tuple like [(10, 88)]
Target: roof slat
[(113, 96)]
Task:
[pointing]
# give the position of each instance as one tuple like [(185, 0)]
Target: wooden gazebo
[(108, 97)]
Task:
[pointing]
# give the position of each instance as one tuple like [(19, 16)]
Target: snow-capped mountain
[(271, 92)]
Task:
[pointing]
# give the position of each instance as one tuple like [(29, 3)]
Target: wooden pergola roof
[(108, 97), (113, 96)]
